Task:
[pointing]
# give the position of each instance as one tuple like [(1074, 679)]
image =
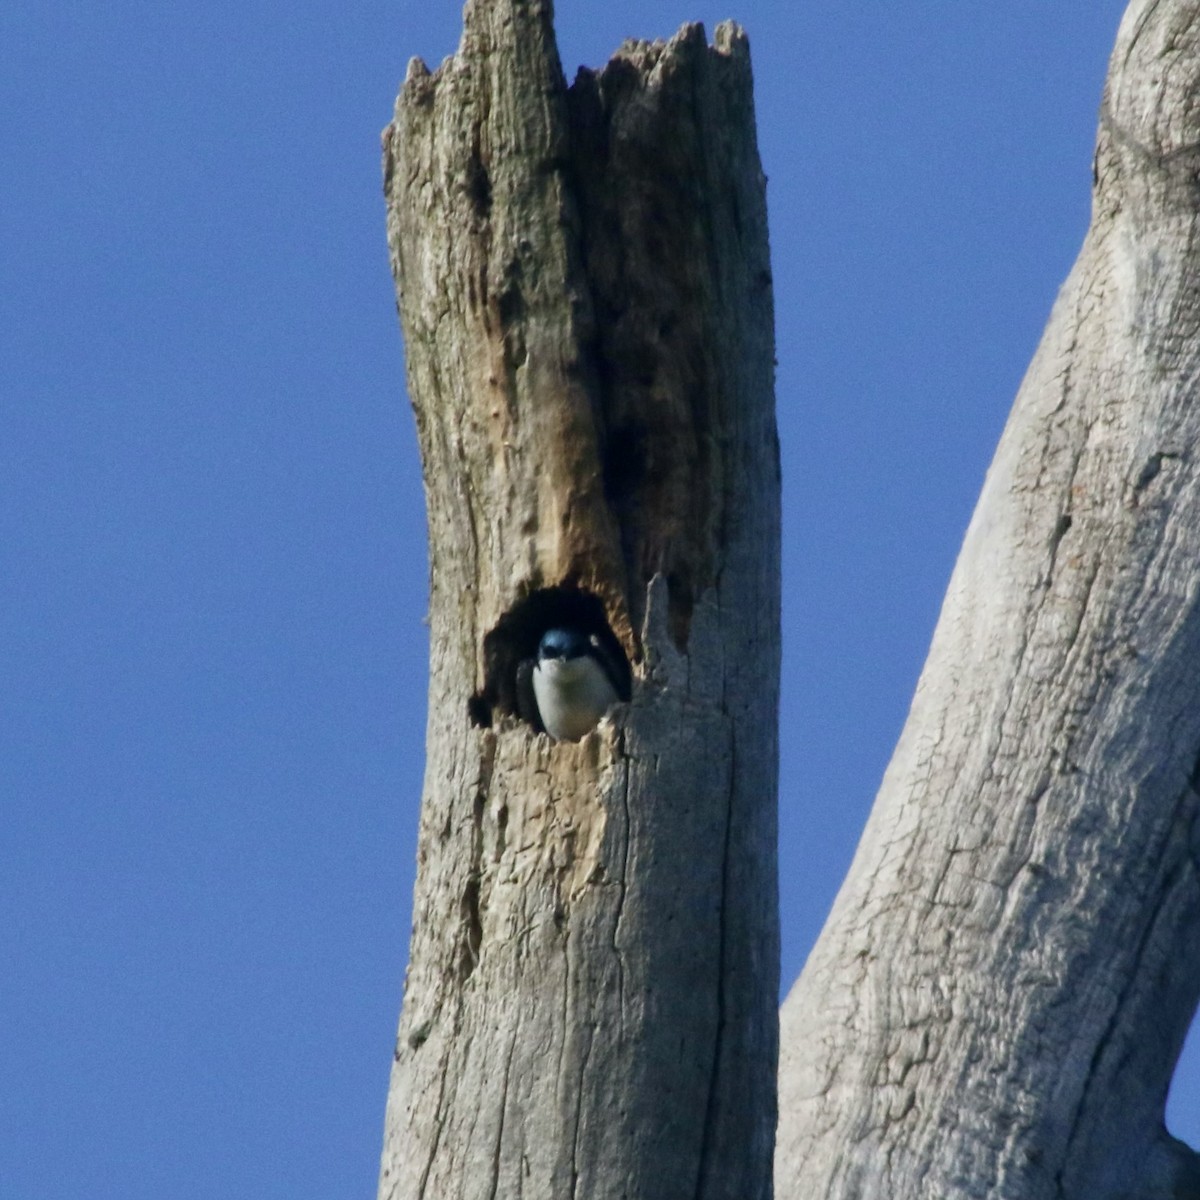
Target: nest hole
[(514, 641)]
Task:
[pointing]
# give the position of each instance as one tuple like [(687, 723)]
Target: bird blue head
[(564, 643)]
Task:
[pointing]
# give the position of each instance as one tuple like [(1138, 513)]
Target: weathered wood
[(590, 1006), (997, 1002)]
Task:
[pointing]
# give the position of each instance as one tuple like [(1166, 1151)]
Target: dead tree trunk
[(998, 1000), (584, 287)]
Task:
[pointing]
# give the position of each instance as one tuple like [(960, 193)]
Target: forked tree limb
[(997, 1003)]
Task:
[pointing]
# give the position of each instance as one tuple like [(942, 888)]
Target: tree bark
[(584, 288), (998, 1000)]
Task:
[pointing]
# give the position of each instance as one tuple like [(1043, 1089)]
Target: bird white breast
[(572, 695)]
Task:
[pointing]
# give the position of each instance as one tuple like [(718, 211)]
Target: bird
[(575, 682)]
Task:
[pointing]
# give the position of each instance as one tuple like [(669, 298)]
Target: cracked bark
[(998, 999), (584, 289)]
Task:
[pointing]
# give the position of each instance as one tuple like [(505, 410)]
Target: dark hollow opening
[(514, 641)]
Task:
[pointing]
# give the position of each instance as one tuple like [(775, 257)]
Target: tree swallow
[(575, 682)]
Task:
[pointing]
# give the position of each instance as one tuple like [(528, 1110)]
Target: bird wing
[(527, 707), (618, 678)]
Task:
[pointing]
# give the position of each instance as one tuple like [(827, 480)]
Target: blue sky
[(212, 534)]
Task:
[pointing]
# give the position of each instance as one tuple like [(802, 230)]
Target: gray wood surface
[(584, 288), (997, 1002)]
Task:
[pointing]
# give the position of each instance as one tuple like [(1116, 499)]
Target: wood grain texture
[(998, 1000), (584, 289)]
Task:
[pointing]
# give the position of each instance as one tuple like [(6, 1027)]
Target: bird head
[(563, 644)]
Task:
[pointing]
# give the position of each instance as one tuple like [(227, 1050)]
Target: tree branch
[(585, 294), (998, 1000)]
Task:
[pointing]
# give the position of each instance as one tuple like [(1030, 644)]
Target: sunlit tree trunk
[(584, 287), (998, 1000)]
